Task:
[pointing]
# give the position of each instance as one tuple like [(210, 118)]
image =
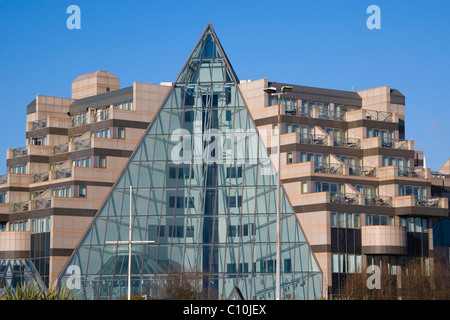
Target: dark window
[(189, 116)]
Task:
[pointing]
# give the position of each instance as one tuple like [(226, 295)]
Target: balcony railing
[(394, 143), (362, 171), (329, 168), (332, 115), (378, 201), (101, 115), (347, 142), (319, 139), (39, 124), (379, 115), (20, 152), (61, 148), (3, 179), (63, 173), (429, 202), (80, 119), (347, 198), (20, 206), (304, 112), (411, 172), (83, 144), (43, 203), (40, 177)]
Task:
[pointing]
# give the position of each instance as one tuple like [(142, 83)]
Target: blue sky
[(314, 43)]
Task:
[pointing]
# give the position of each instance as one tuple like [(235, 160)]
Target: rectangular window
[(82, 191), (304, 187), (228, 115), (120, 133), (2, 197), (289, 157), (189, 116), (102, 162)]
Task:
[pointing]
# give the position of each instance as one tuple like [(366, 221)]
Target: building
[(200, 161), (75, 149)]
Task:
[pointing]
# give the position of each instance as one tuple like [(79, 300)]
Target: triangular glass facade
[(204, 190), (21, 272)]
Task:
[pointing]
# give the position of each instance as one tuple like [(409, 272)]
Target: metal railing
[(331, 115), (429, 202), (329, 168), (80, 119), (4, 179), (20, 206), (394, 143), (39, 124), (40, 177), (82, 144), (378, 201), (346, 198), (362, 171), (319, 139), (63, 173), (61, 148), (43, 203), (354, 143), (304, 112), (378, 115), (20, 152), (103, 114), (411, 172)]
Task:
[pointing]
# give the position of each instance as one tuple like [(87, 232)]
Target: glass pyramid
[(204, 190), (21, 272)]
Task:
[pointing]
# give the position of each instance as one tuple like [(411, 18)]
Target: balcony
[(318, 139), (42, 203), (378, 201), (394, 143), (39, 124), (364, 171), (79, 119), (19, 152), (428, 202), (61, 148), (41, 177), (329, 168), (378, 115), (3, 179), (102, 114), (347, 143), (344, 198), (424, 206), (63, 173), (20, 206), (82, 144), (331, 115), (411, 172)]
